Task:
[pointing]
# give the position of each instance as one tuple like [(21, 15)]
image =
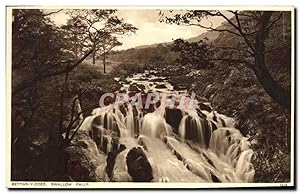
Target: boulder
[(173, 118), (138, 165), (83, 158)]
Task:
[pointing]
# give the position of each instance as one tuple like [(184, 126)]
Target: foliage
[(97, 30), (150, 56), (233, 88), (195, 54), (48, 75), (253, 29), (48, 80)]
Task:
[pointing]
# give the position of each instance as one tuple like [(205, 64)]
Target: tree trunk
[(271, 86), (94, 53), (94, 57), (104, 63)]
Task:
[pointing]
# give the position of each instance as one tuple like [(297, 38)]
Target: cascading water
[(167, 144)]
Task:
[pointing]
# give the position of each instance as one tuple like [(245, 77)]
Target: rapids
[(167, 144)]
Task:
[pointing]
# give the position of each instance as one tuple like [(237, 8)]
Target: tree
[(38, 52), (40, 49), (47, 86), (100, 28), (191, 54), (74, 31), (251, 28), (107, 43)]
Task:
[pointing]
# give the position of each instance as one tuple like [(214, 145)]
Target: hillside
[(209, 35)]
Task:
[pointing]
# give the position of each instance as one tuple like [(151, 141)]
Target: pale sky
[(150, 30)]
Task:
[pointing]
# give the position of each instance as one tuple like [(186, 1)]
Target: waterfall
[(154, 124), (168, 144)]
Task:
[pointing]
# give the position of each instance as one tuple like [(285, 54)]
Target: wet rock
[(141, 87), (207, 131), (205, 106), (82, 144), (123, 109), (97, 120), (131, 94), (135, 127), (141, 79), (215, 179), (158, 80), (173, 118), (201, 114), (83, 158), (110, 160), (213, 126), (134, 88), (138, 166), (180, 87), (161, 86)]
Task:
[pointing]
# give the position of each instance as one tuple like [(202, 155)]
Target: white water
[(196, 153)]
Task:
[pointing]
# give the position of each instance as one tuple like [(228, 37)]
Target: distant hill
[(209, 35), (151, 45), (150, 54)]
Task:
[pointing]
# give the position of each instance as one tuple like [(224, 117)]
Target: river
[(166, 142)]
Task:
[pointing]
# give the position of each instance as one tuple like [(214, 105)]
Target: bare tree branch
[(247, 41), (213, 29), (53, 12)]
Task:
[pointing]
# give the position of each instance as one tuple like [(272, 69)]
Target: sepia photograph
[(150, 97)]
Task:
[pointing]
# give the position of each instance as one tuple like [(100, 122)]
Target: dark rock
[(111, 159), (123, 110), (97, 120), (141, 87), (215, 179), (104, 145), (223, 122), (207, 131), (158, 80), (173, 118), (82, 144), (141, 79), (204, 106), (160, 86), (201, 114), (213, 126), (180, 87), (138, 166), (131, 93), (209, 160), (82, 159), (134, 88)]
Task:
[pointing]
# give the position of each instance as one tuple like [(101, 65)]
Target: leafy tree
[(74, 31), (99, 29), (252, 29), (48, 82), (159, 55), (191, 54), (107, 43)]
